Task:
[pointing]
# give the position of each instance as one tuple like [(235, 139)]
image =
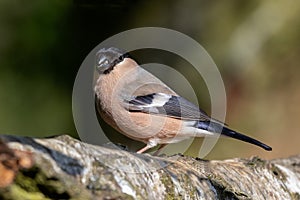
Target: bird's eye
[(121, 58)]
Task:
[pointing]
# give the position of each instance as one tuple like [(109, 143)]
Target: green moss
[(15, 192), (35, 182), (166, 180), (187, 181), (26, 180)]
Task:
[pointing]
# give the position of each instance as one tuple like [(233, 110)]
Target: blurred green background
[(255, 44)]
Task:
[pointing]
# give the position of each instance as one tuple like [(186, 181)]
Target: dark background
[(255, 44)]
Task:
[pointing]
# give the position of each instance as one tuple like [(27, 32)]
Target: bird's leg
[(159, 149), (151, 143), (142, 150)]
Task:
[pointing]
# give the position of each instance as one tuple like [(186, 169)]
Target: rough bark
[(65, 168)]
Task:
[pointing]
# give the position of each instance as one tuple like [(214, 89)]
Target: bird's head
[(107, 59)]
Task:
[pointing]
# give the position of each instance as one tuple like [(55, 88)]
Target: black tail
[(215, 127), (230, 133)]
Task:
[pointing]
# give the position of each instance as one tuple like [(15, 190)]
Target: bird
[(139, 105)]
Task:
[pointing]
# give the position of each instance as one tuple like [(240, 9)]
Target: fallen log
[(65, 168)]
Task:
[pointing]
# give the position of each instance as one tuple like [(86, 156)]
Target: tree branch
[(65, 168)]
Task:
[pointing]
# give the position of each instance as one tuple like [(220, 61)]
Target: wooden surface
[(65, 168)]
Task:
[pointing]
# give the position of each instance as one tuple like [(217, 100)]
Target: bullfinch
[(140, 106)]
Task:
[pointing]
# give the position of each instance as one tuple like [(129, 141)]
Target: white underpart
[(188, 129), (159, 100)]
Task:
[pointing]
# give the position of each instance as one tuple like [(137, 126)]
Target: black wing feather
[(173, 106)]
